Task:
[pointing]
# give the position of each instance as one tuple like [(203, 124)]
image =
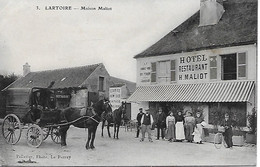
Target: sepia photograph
[(128, 83)]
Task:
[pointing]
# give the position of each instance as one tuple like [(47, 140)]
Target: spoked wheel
[(11, 129), (55, 135), (46, 132), (218, 140), (34, 136)]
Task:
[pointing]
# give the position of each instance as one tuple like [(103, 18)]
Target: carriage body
[(18, 101), (24, 108)]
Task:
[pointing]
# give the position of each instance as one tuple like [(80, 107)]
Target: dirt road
[(123, 152)]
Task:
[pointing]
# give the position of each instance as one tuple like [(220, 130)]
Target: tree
[(6, 80)]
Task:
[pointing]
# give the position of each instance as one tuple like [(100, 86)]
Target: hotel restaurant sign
[(187, 68)]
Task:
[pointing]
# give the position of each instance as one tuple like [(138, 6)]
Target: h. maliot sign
[(193, 67)]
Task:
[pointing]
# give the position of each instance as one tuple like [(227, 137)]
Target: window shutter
[(213, 67), (173, 70), (241, 64), (153, 72)]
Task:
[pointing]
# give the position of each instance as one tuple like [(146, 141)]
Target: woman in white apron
[(179, 127)]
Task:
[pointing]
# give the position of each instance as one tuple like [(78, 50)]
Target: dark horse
[(116, 118), (91, 118)]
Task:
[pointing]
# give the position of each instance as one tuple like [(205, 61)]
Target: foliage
[(6, 80), (175, 107), (252, 121), (196, 107), (216, 114)]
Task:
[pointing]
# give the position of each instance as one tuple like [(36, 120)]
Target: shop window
[(173, 70), (164, 71), (241, 64), (229, 67), (213, 67), (153, 72), (101, 83)]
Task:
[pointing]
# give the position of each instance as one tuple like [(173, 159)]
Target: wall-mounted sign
[(145, 72), (115, 97), (193, 68), (62, 96)]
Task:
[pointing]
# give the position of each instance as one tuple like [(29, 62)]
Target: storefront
[(203, 67)]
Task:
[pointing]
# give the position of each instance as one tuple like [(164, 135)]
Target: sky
[(53, 39)]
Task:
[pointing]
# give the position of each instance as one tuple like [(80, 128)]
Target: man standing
[(138, 118), (160, 123), (147, 121), (227, 123)]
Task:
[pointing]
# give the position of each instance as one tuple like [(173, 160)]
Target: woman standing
[(198, 135), (170, 125), (179, 127), (189, 125)]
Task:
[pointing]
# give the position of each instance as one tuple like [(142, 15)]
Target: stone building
[(207, 63)]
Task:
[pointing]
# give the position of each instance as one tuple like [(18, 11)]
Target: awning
[(225, 91)]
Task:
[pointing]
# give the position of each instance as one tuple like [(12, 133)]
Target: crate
[(238, 140)]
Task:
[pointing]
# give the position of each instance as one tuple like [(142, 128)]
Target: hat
[(188, 112), (147, 109), (140, 108)]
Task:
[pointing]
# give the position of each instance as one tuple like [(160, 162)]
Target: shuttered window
[(153, 72), (213, 67), (173, 70), (241, 65)]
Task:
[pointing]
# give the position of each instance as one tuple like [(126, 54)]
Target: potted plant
[(216, 113), (252, 126)]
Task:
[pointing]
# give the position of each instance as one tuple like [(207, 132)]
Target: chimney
[(210, 12), (26, 69)]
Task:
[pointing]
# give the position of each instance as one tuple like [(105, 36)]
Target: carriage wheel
[(11, 129), (55, 135), (34, 136), (46, 132)]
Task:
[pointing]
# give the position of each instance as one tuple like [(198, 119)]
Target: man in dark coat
[(138, 118), (161, 123), (227, 123)]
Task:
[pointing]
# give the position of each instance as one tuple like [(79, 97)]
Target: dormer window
[(63, 79)]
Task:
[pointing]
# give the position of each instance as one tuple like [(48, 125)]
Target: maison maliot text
[(193, 67), (75, 8)]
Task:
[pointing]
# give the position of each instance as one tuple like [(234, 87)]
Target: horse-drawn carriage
[(25, 109), (35, 109)]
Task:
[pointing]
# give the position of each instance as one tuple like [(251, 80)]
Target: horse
[(116, 118), (88, 118)]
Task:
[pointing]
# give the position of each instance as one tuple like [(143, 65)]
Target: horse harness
[(66, 122)]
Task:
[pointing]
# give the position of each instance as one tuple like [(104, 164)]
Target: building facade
[(204, 65), (119, 92)]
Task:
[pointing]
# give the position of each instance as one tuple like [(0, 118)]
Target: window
[(153, 72), (101, 83), (241, 65), (234, 66), (173, 70), (213, 67), (229, 67), (164, 71)]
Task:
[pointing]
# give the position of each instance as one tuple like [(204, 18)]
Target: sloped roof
[(63, 78), (238, 26), (117, 82)]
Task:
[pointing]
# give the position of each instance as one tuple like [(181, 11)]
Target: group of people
[(173, 128), (179, 127)]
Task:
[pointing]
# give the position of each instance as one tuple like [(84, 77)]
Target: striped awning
[(226, 91)]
